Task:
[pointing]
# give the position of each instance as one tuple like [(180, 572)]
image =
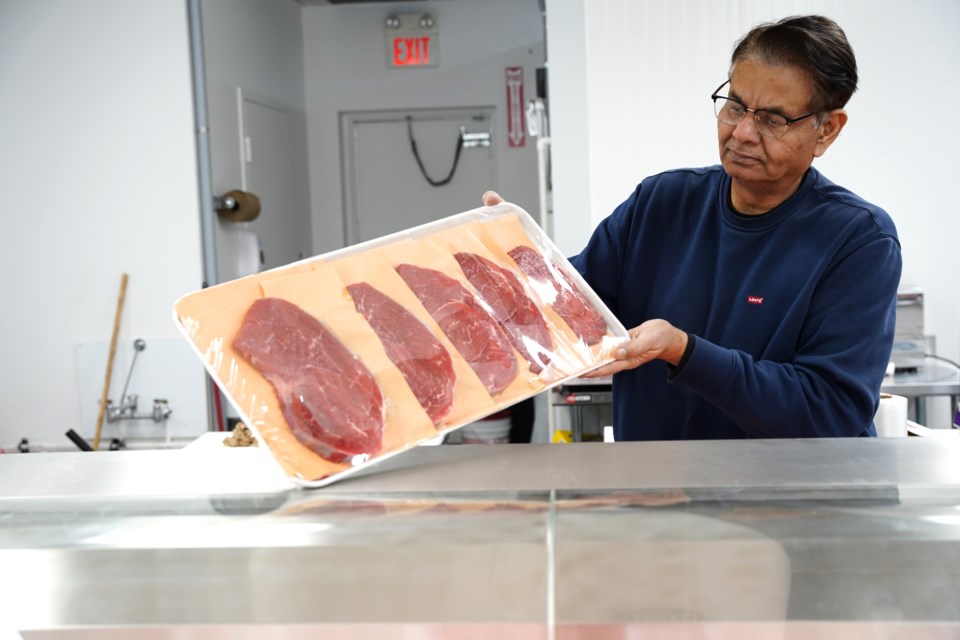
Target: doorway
[(272, 168)]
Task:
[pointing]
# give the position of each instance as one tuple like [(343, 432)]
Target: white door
[(386, 190), (263, 151), (273, 168)]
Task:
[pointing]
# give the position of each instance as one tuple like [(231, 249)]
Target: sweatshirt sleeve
[(831, 386)]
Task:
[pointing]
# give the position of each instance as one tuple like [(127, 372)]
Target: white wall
[(98, 175), (346, 70), (647, 70)]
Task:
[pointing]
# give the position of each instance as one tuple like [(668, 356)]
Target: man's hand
[(491, 198), (652, 340)]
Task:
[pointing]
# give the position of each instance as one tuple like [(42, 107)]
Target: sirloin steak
[(332, 403), (469, 328), (519, 316), (570, 303), (412, 347)]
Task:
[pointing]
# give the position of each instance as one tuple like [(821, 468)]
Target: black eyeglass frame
[(714, 96)]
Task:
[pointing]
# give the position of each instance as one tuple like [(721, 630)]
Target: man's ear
[(830, 128)]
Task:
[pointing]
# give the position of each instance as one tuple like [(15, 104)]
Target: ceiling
[(315, 3)]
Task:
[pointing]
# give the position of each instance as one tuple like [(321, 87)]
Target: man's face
[(763, 167)]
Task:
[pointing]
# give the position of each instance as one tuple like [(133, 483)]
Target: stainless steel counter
[(935, 378), (851, 538)]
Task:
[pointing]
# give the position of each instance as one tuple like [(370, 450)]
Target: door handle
[(470, 140)]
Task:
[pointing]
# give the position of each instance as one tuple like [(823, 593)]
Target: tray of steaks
[(345, 359)]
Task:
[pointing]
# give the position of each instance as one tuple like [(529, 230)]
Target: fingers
[(609, 369), (652, 340), (491, 198)]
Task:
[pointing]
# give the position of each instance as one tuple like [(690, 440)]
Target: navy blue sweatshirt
[(791, 313)]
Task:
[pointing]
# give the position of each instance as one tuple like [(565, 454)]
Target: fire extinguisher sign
[(516, 132)]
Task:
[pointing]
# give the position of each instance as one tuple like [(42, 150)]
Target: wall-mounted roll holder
[(237, 206), (224, 203)]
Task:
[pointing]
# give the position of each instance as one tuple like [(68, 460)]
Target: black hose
[(78, 440), (416, 154)]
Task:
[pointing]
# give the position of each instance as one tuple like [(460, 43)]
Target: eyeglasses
[(769, 123)]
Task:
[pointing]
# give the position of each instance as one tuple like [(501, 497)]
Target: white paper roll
[(891, 416), (248, 251)]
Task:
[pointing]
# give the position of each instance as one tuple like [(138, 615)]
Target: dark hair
[(814, 44)]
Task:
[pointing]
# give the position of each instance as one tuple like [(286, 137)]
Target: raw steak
[(519, 316), (423, 361), (469, 328), (331, 401), (570, 303)]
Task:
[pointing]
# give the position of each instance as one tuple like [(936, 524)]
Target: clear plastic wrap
[(342, 360)]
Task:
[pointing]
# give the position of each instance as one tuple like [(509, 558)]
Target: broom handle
[(113, 351)]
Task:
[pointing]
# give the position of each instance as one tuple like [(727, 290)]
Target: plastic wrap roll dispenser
[(237, 206)]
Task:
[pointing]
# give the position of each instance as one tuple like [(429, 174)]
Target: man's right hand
[(652, 340)]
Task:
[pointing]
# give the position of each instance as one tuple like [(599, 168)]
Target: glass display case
[(752, 539)]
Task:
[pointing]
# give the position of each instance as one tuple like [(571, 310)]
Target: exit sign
[(411, 40), (413, 51)]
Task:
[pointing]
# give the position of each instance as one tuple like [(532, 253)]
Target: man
[(767, 292)]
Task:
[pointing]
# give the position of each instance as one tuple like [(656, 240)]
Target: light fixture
[(426, 21), (393, 22)]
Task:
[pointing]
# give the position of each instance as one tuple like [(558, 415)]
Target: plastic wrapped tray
[(342, 360)]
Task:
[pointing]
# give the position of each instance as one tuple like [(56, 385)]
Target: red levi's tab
[(754, 299)]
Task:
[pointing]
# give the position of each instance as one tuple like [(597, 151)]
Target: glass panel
[(753, 554), (312, 558)]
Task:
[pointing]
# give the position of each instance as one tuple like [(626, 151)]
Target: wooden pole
[(113, 351)]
